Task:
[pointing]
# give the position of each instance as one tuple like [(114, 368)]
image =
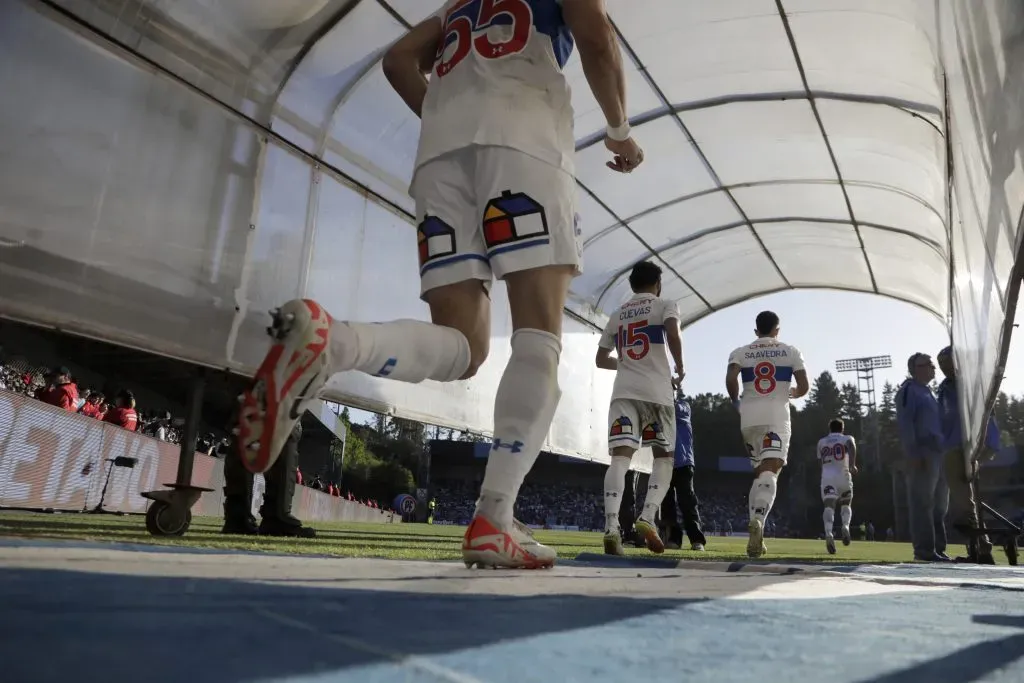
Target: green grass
[(407, 541)]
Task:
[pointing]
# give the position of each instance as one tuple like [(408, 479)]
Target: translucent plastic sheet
[(144, 169)]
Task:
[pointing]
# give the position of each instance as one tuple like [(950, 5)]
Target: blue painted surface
[(57, 625)]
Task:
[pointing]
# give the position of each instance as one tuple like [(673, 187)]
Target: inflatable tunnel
[(169, 170)]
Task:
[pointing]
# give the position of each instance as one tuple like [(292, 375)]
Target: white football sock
[(657, 487), (829, 517), (846, 514), (403, 350), (614, 485), (524, 407), (762, 495)]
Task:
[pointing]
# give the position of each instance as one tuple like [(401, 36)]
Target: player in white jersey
[(837, 454), (767, 368), (642, 410), (495, 196)]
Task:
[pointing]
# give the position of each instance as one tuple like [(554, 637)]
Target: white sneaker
[(755, 544), (613, 543), (290, 378), (830, 544), (846, 535), (699, 547)]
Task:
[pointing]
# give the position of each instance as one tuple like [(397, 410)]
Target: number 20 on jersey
[(465, 21)]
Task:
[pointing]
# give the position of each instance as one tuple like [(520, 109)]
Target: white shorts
[(640, 423), (837, 485), (766, 441), (484, 212)]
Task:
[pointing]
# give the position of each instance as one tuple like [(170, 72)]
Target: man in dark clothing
[(962, 510), (276, 511), (681, 499), (917, 416)]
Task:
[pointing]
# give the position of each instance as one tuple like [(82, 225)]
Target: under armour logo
[(385, 371), (514, 447), (611, 494)]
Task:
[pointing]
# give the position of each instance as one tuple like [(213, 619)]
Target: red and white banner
[(51, 459)]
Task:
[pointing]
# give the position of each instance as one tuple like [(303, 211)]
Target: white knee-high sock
[(614, 485), (829, 517), (762, 495), (525, 404), (403, 350), (846, 514), (657, 487)]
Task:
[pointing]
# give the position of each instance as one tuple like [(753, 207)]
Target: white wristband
[(621, 133)]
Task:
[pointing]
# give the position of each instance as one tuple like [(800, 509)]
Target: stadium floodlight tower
[(865, 369)]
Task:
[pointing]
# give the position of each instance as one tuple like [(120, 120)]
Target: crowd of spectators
[(582, 506)]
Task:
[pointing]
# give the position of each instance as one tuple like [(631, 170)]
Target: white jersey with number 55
[(497, 80), (834, 454), (637, 333), (766, 371)]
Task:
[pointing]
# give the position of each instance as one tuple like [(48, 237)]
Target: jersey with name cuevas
[(766, 370), (637, 332), (834, 453), (497, 80)]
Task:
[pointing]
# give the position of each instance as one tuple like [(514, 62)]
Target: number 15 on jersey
[(467, 19)]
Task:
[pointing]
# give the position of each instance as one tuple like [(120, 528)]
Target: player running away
[(837, 453), (642, 411), (495, 197), (767, 368)]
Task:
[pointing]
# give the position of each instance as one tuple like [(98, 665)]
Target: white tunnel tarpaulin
[(171, 169)]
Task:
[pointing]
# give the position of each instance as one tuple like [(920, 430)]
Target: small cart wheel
[(164, 519)]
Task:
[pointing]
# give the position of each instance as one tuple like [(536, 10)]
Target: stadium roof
[(790, 143)]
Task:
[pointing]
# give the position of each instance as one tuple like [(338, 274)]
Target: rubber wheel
[(1011, 552), (162, 519)]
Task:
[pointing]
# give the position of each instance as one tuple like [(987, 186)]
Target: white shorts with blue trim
[(483, 212), (637, 424), (767, 441)]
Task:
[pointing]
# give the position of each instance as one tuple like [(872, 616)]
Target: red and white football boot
[(296, 368)]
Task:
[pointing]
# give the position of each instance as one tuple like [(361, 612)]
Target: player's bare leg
[(657, 487), (524, 407), (309, 347), (614, 485), (762, 497), (828, 516)]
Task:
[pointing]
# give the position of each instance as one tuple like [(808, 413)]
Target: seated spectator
[(123, 413), (59, 390)]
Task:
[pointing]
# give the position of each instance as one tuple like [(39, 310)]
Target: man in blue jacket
[(681, 498), (917, 416), (963, 511)]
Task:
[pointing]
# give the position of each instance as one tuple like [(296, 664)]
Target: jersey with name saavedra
[(766, 369), (637, 332), (497, 80), (834, 454)]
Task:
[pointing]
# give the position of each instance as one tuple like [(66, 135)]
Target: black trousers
[(681, 501), (635, 483)]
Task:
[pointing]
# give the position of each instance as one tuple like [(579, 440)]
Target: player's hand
[(853, 469), (628, 154), (677, 380), (736, 404)]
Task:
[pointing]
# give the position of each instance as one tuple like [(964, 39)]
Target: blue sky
[(826, 326)]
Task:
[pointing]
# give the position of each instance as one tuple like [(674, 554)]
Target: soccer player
[(767, 367), (495, 196), (642, 412), (837, 453)]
